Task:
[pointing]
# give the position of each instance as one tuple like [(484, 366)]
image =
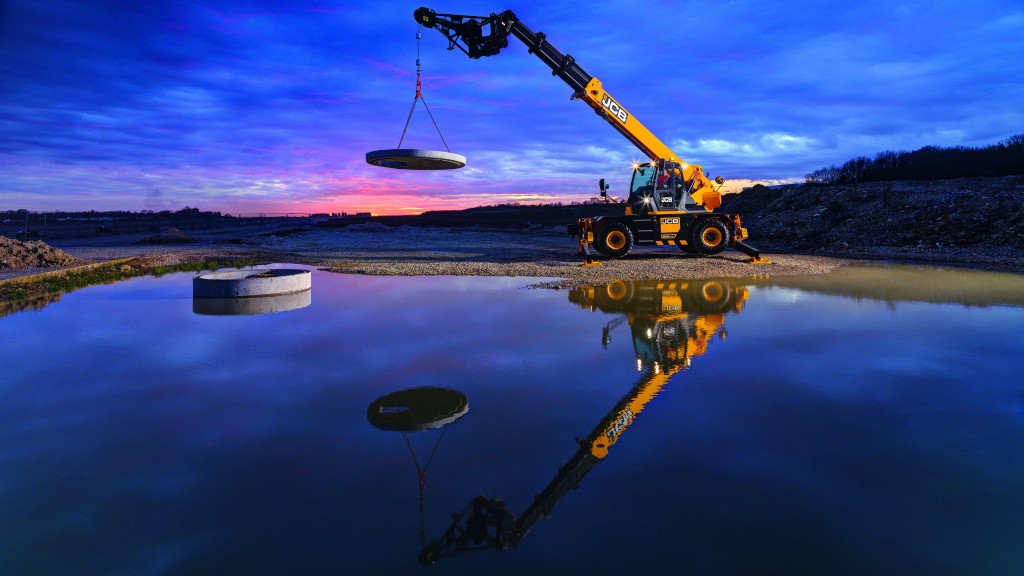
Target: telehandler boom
[(670, 202)]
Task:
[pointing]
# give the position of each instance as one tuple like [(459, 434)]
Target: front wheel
[(687, 248), (709, 237), (614, 240)]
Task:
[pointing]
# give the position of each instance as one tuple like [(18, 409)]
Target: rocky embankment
[(970, 220)]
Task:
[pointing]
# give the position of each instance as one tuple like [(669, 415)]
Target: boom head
[(475, 35)]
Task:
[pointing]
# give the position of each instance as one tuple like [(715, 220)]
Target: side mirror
[(603, 187)]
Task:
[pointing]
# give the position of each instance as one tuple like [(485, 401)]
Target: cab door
[(667, 187)]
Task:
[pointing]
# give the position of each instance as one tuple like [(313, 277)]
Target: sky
[(249, 106)]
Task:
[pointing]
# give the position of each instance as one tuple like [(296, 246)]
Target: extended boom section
[(479, 36), (671, 202)]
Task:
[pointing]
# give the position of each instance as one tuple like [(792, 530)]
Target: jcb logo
[(669, 221), (620, 424), (615, 109)]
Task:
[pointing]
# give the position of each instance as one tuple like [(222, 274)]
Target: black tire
[(614, 240), (687, 248), (709, 237)]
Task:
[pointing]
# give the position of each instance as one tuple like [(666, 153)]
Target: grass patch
[(159, 271), (74, 280)]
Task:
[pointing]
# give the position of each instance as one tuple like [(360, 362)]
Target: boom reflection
[(671, 322)]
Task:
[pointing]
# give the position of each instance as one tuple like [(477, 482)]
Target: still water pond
[(866, 422)]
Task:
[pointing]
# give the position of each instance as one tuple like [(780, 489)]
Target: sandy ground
[(412, 251)]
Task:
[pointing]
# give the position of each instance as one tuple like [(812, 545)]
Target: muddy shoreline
[(375, 249)]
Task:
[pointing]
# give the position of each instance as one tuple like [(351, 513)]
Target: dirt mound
[(967, 214), (169, 236), (18, 254)]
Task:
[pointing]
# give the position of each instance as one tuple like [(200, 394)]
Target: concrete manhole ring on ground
[(413, 159), (251, 283)]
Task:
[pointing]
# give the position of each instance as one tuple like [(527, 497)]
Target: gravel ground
[(375, 249)]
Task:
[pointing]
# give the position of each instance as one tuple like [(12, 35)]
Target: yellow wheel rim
[(616, 290), (713, 291), (616, 240), (712, 237)]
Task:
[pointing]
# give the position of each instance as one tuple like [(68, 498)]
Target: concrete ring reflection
[(251, 305), (417, 409)]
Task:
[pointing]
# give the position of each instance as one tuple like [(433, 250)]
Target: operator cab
[(658, 188)]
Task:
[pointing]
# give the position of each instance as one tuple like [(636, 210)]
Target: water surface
[(870, 421)]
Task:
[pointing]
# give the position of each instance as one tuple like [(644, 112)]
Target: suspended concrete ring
[(413, 159), (249, 283), (417, 409)]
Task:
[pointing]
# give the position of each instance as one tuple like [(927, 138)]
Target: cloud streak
[(270, 106)]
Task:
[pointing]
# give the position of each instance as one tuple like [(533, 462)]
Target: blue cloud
[(215, 100)]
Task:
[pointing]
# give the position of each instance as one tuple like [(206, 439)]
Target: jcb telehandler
[(670, 202)]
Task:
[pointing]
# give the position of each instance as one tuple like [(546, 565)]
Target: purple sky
[(266, 106)]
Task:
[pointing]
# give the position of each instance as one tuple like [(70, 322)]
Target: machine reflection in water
[(671, 323)]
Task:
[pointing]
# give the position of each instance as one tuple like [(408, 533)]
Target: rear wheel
[(614, 240), (709, 237)]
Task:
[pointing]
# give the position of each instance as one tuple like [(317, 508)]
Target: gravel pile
[(18, 254), (169, 236)]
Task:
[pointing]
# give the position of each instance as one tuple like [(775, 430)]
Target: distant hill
[(1005, 158)]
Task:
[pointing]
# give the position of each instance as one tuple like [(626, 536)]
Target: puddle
[(865, 421)]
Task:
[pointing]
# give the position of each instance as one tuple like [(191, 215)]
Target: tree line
[(929, 163), (120, 214)]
